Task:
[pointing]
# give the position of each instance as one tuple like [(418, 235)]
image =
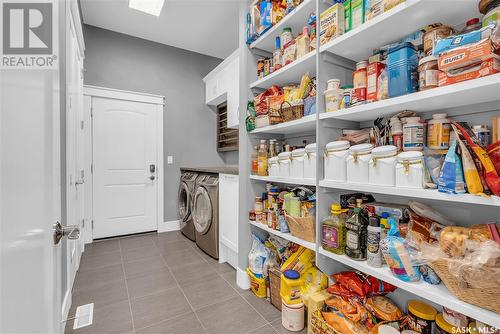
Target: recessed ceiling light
[(152, 7)]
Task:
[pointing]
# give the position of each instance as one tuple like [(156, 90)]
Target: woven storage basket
[(303, 228), (291, 112), (483, 297), (274, 287), (318, 325)]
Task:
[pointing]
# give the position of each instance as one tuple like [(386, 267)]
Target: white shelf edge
[(438, 294), (306, 120), (287, 236), (431, 194), (267, 80), (285, 180)]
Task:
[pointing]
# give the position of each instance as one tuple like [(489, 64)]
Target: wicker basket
[(483, 297), (303, 228), (274, 287), (318, 325), (290, 112)]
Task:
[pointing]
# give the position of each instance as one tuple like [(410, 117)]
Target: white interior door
[(125, 161)]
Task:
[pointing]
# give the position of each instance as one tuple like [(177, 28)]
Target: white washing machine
[(185, 195), (206, 214)]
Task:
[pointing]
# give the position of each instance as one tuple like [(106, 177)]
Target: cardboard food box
[(487, 67), (466, 55), (331, 23), (314, 304)]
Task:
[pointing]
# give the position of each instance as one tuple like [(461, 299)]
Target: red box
[(488, 67), (373, 71)]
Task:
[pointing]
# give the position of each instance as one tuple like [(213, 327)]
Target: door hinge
[(91, 112), (81, 124), (92, 168), (92, 223), (83, 223)]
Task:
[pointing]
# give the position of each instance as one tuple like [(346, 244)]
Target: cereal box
[(331, 23)]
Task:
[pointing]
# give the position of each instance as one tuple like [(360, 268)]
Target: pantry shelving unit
[(286, 236), (475, 101)]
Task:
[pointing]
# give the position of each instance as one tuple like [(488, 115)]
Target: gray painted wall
[(123, 62)]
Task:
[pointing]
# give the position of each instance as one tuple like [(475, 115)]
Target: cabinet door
[(233, 95), (228, 210)]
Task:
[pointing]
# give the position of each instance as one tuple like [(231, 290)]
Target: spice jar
[(382, 166), (428, 73), (336, 153), (430, 37), (413, 134), (284, 164), (357, 163), (346, 96), (421, 317), (359, 80), (410, 170)]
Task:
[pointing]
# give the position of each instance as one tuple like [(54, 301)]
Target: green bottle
[(333, 231)]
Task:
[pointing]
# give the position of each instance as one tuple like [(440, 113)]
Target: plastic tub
[(383, 166), (402, 65), (310, 162), (297, 163), (333, 99), (284, 164), (291, 284), (357, 163), (336, 153)]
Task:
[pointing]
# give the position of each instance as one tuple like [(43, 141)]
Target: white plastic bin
[(410, 170), (382, 170), (284, 164), (336, 153), (310, 162), (357, 163), (297, 163)]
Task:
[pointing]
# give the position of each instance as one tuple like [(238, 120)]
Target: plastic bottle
[(397, 132), (262, 158), (255, 162), (303, 43), (413, 134), (356, 230), (277, 55), (333, 230), (384, 227), (438, 132), (471, 25), (373, 253)]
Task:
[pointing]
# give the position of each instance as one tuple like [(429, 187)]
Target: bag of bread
[(452, 240)]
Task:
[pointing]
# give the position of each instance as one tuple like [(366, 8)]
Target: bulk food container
[(357, 163), (336, 153), (297, 163), (402, 65), (410, 170), (383, 166), (284, 164), (273, 166), (310, 162)]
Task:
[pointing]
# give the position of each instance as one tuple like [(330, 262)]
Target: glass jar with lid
[(336, 153), (357, 163), (383, 166)]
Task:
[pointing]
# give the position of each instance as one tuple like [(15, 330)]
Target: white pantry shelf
[(296, 19), (284, 180), (438, 294), (458, 99), (291, 73), (431, 194), (286, 236), (406, 18), (306, 124)]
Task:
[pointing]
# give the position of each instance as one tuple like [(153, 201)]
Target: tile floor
[(162, 283)]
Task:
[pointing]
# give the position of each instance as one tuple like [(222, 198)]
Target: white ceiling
[(205, 26)]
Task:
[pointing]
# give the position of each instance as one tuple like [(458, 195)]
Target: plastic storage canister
[(402, 65), (297, 163), (421, 317), (336, 153), (357, 163), (443, 327), (382, 171), (413, 134), (273, 166), (333, 99), (284, 164), (410, 170), (292, 316), (492, 13), (438, 132), (359, 81), (333, 84), (310, 162), (428, 73), (290, 285)]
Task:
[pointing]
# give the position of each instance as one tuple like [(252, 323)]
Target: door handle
[(77, 183), (152, 177), (72, 232)]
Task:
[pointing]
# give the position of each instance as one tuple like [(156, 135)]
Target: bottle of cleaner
[(373, 253)]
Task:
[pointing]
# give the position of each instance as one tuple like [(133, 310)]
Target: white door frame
[(89, 92)]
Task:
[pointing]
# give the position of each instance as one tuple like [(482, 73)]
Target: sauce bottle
[(356, 227), (333, 230)]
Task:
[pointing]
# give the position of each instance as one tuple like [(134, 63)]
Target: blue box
[(402, 66)]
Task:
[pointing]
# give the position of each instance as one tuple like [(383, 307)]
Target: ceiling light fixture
[(152, 7)]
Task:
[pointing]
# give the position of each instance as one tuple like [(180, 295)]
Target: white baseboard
[(242, 279), (173, 225), (66, 305)]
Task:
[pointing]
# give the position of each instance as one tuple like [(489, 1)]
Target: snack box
[(452, 42), (487, 67), (397, 211), (331, 23), (466, 55)]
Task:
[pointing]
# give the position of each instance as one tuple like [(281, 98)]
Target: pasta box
[(487, 67), (466, 55)]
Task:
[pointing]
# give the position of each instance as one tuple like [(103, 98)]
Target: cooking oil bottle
[(357, 228), (333, 231), (262, 158)]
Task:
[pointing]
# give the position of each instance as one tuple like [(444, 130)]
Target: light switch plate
[(170, 159)]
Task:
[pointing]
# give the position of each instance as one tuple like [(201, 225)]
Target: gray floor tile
[(136, 241), (184, 324), (233, 316), (102, 246), (144, 266), (100, 260), (190, 274), (221, 268), (267, 329), (140, 253), (181, 258), (87, 279), (282, 330), (153, 309), (102, 295), (230, 277), (114, 318), (263, 306), (170, 247), (208, 291), (152, 283), (169, 237)]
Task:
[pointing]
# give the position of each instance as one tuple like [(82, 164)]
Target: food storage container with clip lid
[(383, 166), (284, 164), (310, 162), (357, 163), (273, 166), (410, 170), (297, 163), (336, 153)]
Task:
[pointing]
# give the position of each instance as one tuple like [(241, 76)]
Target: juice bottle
[(262, 158), (333, 230), (255, 162)]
